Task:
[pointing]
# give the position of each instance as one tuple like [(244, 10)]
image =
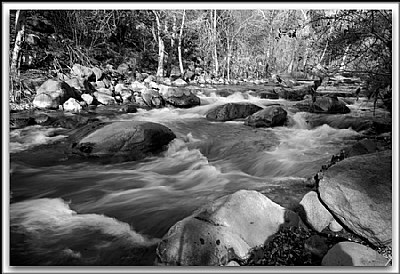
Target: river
[(114, 214)]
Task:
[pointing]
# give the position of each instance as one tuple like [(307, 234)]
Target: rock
[(364, 146), (232, 111), (316, 215), (225, 228), (97, 72), (178, 97), (53, 93), (331, 105), (152, 98), (45, 101), (137, 86), (123, 68), (352, 254), (268, 95), (105, 91), (131, 109), (271, 116), (87, 98), (334, 226), (296, 93), (72, 105), (81, 71), (179, 83), (122, 141), (316, 245), (126, 95), (104, 98), (100, 84), (232, 263), (358, 192)]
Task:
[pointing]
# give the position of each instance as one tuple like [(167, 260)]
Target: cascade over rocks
[(358, 192), (270, 116), (121, 141), (232, 111), (223, 229)]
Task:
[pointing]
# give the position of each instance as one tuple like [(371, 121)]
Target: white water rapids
[(92, 214)]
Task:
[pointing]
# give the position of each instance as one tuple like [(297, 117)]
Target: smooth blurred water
[(92, 214)]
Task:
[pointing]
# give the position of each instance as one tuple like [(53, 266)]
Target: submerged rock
[(271, 116), (224, 229), (358, 191), (352, 254), (232, 111), (121, 141)]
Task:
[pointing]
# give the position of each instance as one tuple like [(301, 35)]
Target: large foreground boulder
[(53, 93), (224, 229), (232, 111), (121, 141), (358, 191), (179, 97), (352, 254), (271, 116)]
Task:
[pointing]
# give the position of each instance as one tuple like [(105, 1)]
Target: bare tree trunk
[(180, 43), (20, 30), (215, 43), (343, 64), (172, 48), (160, 67), (228, 61)]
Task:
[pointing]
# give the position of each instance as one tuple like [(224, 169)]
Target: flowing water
[(93, 214)]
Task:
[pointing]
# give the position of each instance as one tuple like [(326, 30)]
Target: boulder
[(53, 93), (81, 71), (295, 93), (334, 226), (121, 141), (232, 111), (316, 215), (88, 98), (152, 98), (178, 97), (104, 98), (137, 86), (179, 82), (352, 254), (331, 105), (358, 192), (45, 101), (224, 229), (271, 116), (268, 95), (72, 105), (123, 68), (97, 72)]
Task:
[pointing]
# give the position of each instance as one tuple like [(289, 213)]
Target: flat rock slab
[(358, 191)]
